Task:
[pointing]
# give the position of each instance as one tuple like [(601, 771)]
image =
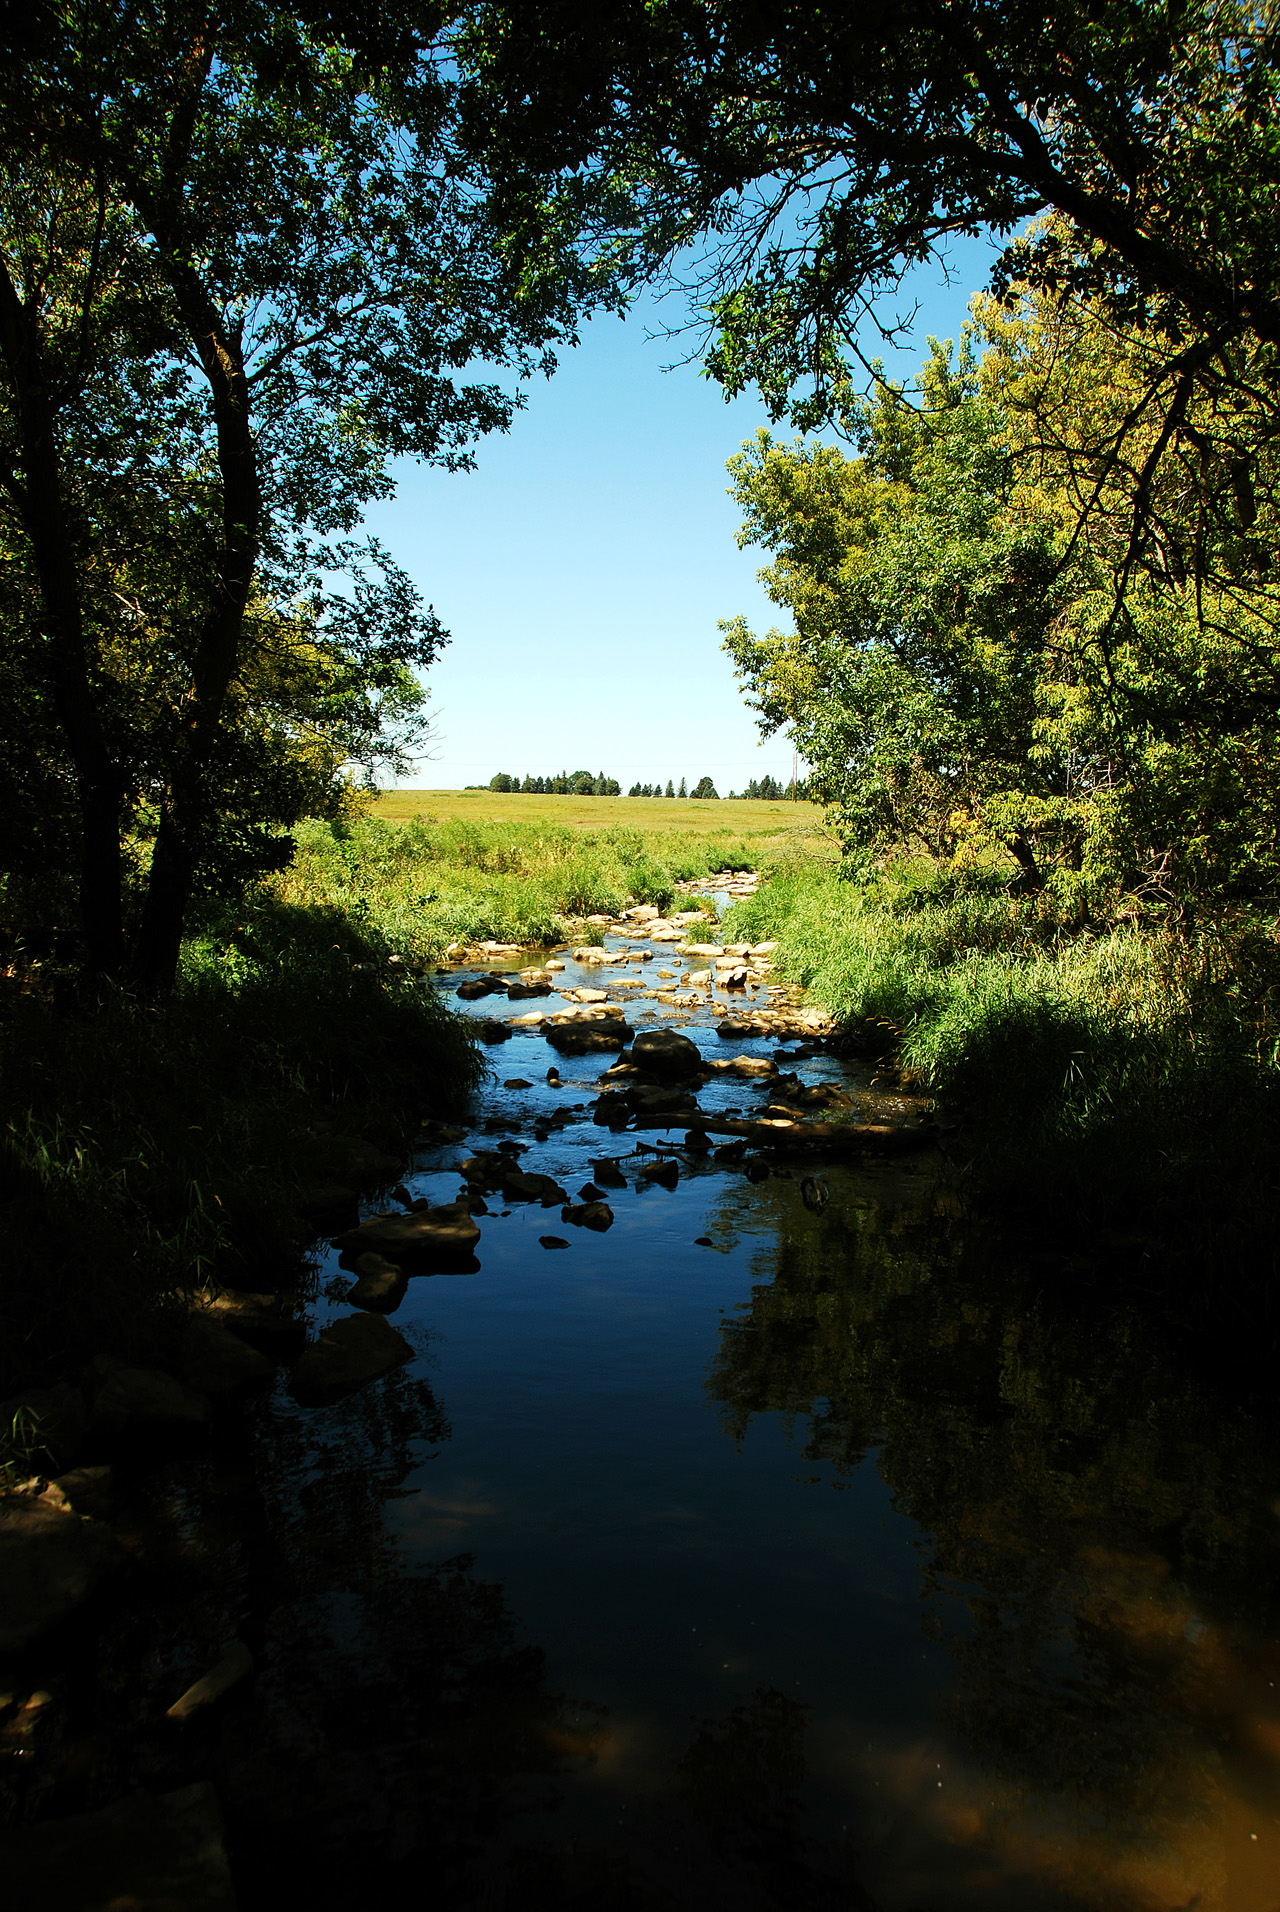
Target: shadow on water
[(1100, 1553), (789, 1545)]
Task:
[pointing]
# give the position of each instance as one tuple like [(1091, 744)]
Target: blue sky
[(583, 566)]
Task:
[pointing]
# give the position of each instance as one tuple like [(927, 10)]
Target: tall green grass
[(146, 1150), (1125, 1082), (428, 884)]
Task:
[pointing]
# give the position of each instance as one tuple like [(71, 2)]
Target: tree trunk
[(187, 809), (1029, 877), (41, 502)]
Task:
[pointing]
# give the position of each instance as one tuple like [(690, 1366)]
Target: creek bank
[(240, 1341)]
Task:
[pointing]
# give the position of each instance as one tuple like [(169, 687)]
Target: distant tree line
[(768, 788), (584, 784), (579, 783)]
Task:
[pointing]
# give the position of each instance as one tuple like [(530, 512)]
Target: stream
[(792, 1541)]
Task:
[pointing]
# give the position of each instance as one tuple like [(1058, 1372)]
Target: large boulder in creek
[(517, 1186), (425, 1240), (381, 1286), (595, 1215), (216, 1361), (666, 1053), (328, 1206), (144, 1401), (352, 1162), (587, 1037), (481, 986), (349, 1354), (151, 1852), (51, 1560)]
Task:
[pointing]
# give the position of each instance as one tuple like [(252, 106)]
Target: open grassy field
[(737, 816)]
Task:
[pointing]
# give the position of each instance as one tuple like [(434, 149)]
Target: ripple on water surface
[(786, 1544)]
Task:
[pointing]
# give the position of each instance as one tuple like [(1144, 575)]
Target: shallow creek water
[(826, 1561)]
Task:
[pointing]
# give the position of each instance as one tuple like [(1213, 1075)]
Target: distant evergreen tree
[(684, 788), (705, 789), (670, 788), (635, 791)]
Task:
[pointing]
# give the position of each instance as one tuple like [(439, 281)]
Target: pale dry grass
[(739, 816)]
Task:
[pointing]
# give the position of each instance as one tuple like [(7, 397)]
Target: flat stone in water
[(381, 1287), (352, 1351), (135, 1400), (216, 1361), (595, 1215), (51, 1560), (426, 1236)]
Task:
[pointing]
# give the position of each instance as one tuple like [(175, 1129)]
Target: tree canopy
[(791, 164), (242, 268), (961, 675)]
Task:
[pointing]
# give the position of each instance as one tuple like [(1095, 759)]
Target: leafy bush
[(1127, 1081)]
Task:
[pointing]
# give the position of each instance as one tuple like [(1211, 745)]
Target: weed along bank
[(640, 1408), (696, 1333)]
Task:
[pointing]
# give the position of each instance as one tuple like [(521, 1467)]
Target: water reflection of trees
[(401, 1722), (1102, 1547)]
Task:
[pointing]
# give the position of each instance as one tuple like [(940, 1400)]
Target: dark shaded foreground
[(1016, 1552)]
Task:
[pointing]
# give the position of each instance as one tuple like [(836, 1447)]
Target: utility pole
[(794, 792)]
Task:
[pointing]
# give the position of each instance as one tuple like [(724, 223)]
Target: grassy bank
[(147, 1150), (1123, 1082), (428, 882)]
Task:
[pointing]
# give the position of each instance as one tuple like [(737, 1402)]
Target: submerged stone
[(51, 1560), (349, 1354), (149, 1852)]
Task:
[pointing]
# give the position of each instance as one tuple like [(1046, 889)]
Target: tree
[(683, 790), (670, 790), (705, 788), (241, 270), (815, 155), (958, 676)]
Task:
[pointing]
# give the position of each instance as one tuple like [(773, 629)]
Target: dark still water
[(836, 1560), (829, 1561)]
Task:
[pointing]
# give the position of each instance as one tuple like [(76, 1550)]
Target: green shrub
[(147, 1150), (1125, 1082)]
